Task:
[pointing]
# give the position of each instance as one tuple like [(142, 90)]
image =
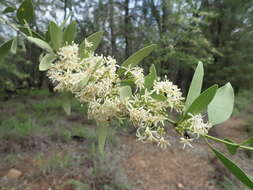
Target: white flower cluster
[(194, 127), (198, 126), (172, 92), (94, 80), (138, 76), (67, 69)]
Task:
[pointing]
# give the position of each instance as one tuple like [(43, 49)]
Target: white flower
[(69, 52), (186, 142), (172, 93), (140, 134), (139, 116), (152, 135), (197, 125), (104, 111), (147, 96), (163, 143), (137, 73), (87, 44), (157, 118), (94, 80)]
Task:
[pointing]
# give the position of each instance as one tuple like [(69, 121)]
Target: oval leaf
[(26, 31), (196, 85), (202, 101), (47, 35), (83, 82), (95, 39), (221, 107), (247, 142), (232, 148), (128, 82), (14, 45), (138, 56), (151, 77), (102, 132), (159, 97), (69, 33), (125, 92), (5, 48), (9, 10), (67, 105), (40, 43), (56, 35), (47, 61), (234, 169), (25, 12)]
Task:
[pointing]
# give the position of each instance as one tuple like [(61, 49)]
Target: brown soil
[(146, 165), (153, 169), (177, 169)]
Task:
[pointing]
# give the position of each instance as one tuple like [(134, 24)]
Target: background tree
[(217, 33)]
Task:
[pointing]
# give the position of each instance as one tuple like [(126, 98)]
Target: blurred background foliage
[(218, 33)]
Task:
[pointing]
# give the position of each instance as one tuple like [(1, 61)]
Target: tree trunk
[(127, 29), (112, 28)]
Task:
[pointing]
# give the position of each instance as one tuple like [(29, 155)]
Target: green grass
[(47, 105), (37, 113), (105, 170), (78, 130), (56, 162), (33, 92), (18, 126)]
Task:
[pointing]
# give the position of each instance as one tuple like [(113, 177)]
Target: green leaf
[(9, 10), (67, 103), (102, 132), (62, 26), (14, 45), (196, 85), (232, 148), (234, 169), (25, 12), (228, 142), (82, 82), (5, 48), (28, 27), (247, 142), (56, 35), (125, 92), (40, 43), (95, 39), (22, 44), (47, 61), (25, 30), (69, 33), (47, 35), (151, 77), (202, 101), (221, 107), (159, 97), (127, 82), (138, 56)]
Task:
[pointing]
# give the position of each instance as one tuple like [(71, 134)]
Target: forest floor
[(43, 149)]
